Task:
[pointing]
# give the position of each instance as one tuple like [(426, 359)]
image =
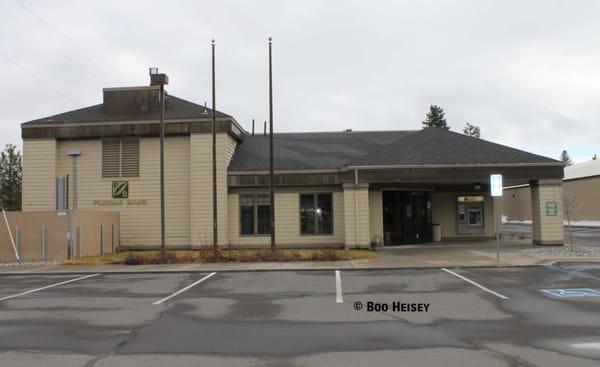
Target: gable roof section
[(435, 146), (320, 150), (176, 108), (332, 150)]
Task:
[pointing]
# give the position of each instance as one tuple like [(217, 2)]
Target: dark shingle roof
[(374, 148), (176, 108), (310, 150), (436, 146)]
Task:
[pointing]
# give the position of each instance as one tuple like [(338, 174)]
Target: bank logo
[(120, 189)]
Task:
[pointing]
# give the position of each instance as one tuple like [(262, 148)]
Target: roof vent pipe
[(252, 127), (265, 128)]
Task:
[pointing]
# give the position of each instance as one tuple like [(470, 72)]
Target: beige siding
[(356, 215), (516, 203), (547, 229), (443, 206), (140, 224), (287, 223), (39, 180), (581, 196), (375, 214), (201, 187)]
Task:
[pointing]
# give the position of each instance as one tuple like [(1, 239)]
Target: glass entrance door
[(406, 217)]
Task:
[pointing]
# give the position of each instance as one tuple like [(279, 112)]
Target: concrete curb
[(173, 271)]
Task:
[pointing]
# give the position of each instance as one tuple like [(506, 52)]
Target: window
[(316, 214), (255, 214), (120, 158)]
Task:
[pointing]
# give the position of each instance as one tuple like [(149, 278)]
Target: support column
[(547, 212), (356, 215)]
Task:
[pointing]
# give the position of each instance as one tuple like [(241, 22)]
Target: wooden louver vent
[(130, 158), (120, 158)]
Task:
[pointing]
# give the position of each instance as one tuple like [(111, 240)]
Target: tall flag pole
[(271, 175), (214, 157)]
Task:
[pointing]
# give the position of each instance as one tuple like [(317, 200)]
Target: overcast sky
[(526, 72)]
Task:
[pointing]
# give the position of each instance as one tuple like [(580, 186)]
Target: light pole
[(162, 80), (271, 173), (74, 154), (214, 158)]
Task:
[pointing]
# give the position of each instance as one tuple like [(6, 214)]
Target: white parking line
[(338, 287), (183, 289), (475, 284), (49, 286)]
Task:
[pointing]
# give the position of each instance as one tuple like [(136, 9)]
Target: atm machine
[(470, 214)]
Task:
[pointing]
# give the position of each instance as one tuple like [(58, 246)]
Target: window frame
[(254, 214), (315, 204)]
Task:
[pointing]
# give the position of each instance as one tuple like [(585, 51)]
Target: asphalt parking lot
[(530, 316)]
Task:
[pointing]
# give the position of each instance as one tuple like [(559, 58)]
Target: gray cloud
[(525, 71)]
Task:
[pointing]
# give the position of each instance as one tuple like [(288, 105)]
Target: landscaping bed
[(222, 256)]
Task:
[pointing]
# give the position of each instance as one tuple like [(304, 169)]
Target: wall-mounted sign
[(120, 189), (496, 185), (477, 198), (121, 202), (551, 208)]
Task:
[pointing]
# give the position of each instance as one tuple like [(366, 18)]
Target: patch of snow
[(527, 221), (564, 251), (586, 345), (574, 223), (584, 223)]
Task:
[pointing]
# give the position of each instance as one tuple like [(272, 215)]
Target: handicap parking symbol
[(572, 292)]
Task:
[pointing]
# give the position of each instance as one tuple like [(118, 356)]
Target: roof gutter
[(486, 165)]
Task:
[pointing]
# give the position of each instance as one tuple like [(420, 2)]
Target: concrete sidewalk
[(451, 254)]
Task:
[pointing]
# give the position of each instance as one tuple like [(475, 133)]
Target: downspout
[(357, 225)]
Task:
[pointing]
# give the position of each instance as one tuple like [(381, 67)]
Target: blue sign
[(572, 292)]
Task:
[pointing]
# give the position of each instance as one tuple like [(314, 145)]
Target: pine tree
[(435, 118), (472, 130), (564, 157), (11, 168)]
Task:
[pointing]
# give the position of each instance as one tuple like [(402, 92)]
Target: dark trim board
[(307, 179), (146, 129), (451, 175)]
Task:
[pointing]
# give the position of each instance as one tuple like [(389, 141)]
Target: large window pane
[(255, 214), (307, 214), (316, 214), (263, 212), (324, 214), (247, 214)]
